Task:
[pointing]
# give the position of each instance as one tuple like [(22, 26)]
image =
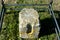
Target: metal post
[(57, 30), (2, 14), (51, 1)]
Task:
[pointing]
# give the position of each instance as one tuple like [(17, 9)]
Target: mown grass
[(10, 27)]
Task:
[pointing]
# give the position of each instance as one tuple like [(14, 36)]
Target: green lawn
[(10, 25)]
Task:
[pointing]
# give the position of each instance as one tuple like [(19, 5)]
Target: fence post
[(2, 14)]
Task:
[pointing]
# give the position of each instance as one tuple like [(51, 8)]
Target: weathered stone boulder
[(28, 23)]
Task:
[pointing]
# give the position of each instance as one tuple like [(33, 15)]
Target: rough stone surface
[(28, 23)]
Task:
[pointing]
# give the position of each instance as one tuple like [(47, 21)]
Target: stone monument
[(28, 23)]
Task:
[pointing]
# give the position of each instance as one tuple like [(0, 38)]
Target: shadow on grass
[(47, 26)]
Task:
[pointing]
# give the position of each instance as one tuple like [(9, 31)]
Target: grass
[(10, 27)]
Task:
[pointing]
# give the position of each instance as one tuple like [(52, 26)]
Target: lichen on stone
[(28, 23)]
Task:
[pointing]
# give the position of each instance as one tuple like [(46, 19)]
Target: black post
[(51, 1), (57, 30), (2, 14)]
